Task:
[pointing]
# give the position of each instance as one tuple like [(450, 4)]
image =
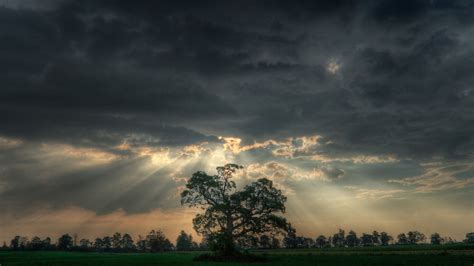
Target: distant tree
[(351, 239), (290, 240), (4, 246), (15, 243), (414, 237), (65, 242), (85, 244), (366, 240), (24, 243), (402, 239), (385, 238), (230, 214), (106, 243), (376, 238), (308, 242), (98, 245), (321, 241), (469, 237), (141, 243), (47, 243), (117, 241), (338, 238), (435, 239), (127, 242), (330, 241), (36, 243), (185, 242), (156, 242)]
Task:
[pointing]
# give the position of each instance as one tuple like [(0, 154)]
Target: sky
[(361, 112)]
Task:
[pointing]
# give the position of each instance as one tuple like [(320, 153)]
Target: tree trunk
[(229, 248)]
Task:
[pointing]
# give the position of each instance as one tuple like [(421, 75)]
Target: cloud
[(284, 172), (375, 194), (438, 178), (290, 147)]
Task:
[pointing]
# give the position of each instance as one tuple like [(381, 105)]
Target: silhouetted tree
[(308, 242), (98, 246), (85, 244), (106, 243), (36, 243), (23, 243), (366, 240), (117, 241), (185, 242), (414, 237), (376, 238), (402, 239), (290, 240), (103, 244), (141, 243), (321, 241), (435, 239), (65, 242), (338, 238), (230, 214), (127, 243), (47, 243), (156, 241), (469, 238), (351, 239), (15, 243), (385, 238)]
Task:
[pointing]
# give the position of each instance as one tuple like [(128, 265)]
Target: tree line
[(351, 239), (156, 241)]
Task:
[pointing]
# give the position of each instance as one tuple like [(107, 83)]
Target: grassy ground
[(419, 255)]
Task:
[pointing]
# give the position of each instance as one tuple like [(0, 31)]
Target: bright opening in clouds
[(333, 67), (362, 112)]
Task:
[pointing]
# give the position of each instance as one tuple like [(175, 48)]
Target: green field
[(414, 255)]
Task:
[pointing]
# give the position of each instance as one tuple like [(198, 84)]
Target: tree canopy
[(230, 214)]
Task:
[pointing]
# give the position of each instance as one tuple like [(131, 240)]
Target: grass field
[(406, 255)]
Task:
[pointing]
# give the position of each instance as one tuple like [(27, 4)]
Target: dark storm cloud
[(370, 77)]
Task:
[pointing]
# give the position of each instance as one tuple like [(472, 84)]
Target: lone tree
[(229, 214)]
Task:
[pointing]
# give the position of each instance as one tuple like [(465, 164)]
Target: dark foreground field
[(419, 255)]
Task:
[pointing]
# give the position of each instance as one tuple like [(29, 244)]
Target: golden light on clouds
[(9, 142), (84, 155), (284, 148)]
